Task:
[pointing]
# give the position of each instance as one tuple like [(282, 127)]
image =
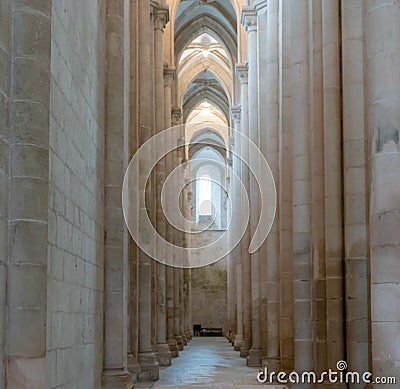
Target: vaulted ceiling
[(205, 42)]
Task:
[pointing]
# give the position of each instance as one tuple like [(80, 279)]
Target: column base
[(179, 342), (254, 358), (188, 337), (173, 347), (237, 343), (133, 368), (117, 379), (149, 367), (184, 339), (273, 364), (163, 354), (244, 349)]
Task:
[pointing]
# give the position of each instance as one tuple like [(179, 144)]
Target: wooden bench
[(211, 332)]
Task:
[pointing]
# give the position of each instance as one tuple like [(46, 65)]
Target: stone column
[(285, 190), (180, 155), (160, 21), (187, 303), (182, 308), (272, 135), (230, 297), (383, 51), (318, 186), (189, 306), (249, 20), (169, 75), (5, 77), (230, 259), (263, 117), (115, 373), (146, 358), (303, 343), (355, 194), (186, 272), (152, 193), (30, 54), (177, 238), (236, 215), (133, 365), (333, 181), (242, 74)]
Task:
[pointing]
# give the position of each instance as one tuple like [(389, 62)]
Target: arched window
[(205, 195)]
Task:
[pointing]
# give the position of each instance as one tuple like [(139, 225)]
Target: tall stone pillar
[(230, 297), (182, 307), (242, 74), (272, 134), (262, 55), (5, 77), (355, 193), (169, 75), (236, 216), (249, 20), (285, 207), (303, 343), (29, 103), (318, 186), (146, 358), (333, 181), (163, 353), (180, 152), (383, 52), (115, 373), (186, 272), (133, 340), (151, 194), (187, 302), (177, 238), (231, 270)]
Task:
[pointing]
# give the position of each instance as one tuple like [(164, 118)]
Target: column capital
[(242, 72), (176, 114), (161, 17), (249, 18), (235, 113), (169, 74)]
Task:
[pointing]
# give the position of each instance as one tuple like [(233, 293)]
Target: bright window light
[(205, 195)]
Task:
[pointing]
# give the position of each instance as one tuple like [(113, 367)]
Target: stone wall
[(5, 11), (209, 295), (76, 195)]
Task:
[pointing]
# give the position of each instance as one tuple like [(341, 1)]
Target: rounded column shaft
[(242, 73), (146, 358), (333, 181), (285, 190), (303, 344), (163, 353), (272, 155), (249, 19), (355, 193), (383, 52)]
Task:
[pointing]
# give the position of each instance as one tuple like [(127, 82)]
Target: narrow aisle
[(206, 363)]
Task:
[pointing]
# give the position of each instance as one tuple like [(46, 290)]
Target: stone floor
[(206, 363)]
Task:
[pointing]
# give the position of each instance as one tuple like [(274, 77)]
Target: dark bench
[(211, 332)]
